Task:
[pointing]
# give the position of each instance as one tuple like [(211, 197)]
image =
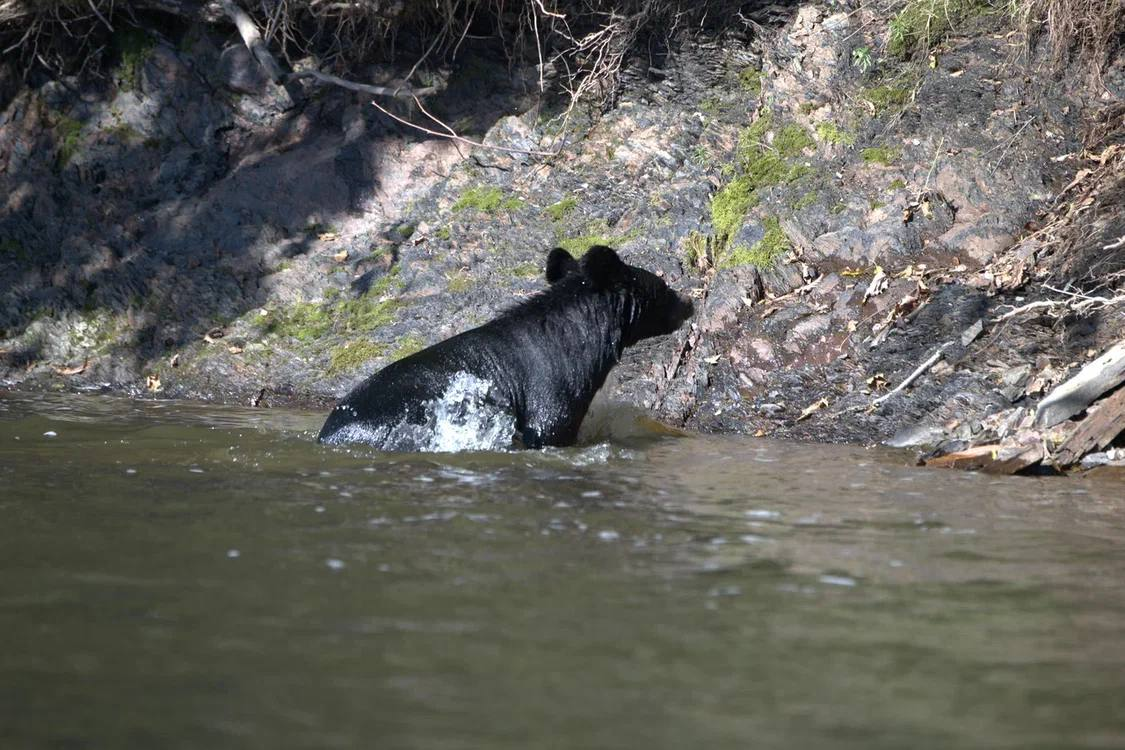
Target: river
[(180, 575)]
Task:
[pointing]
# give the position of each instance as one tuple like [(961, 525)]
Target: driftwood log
[(1070, 398)]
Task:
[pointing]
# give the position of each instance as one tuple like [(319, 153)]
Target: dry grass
[(1087, 29)]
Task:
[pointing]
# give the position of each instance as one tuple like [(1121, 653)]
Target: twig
[(98, 13), (400, 92), (460, 138), (914, 375)]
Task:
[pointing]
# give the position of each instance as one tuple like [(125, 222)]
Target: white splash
[(461, 419)]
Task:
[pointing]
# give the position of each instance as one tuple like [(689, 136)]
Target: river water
[(185, 576)]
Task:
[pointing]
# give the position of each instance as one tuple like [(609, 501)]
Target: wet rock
[(240, 72)]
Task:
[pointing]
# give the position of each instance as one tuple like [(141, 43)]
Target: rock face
[(185, 228)]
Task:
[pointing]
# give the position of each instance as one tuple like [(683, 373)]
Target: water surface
[(182, 576)]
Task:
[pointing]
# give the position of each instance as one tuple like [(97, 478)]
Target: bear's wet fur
[(542, 361)]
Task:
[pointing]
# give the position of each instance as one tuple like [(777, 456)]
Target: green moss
[(888, 97), (695, 250), (830, 132), (526, 271), (309, 321), (460, 282), (559, 211), (922, 24), (304, 321), (596, 233), (444, 233), (807, 108), (123, 132), (750, 79), (757, 165), (405, 230), (407, 345), (729, 206), (804, 201), (791, 140), (765, 252), (712, 106), (897, 184), (885, 155), (876, 204), (133, 47), (68, 133), (837, 209), (351, 355), (488, 200)]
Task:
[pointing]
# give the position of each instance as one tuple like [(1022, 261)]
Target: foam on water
[(461, 419)]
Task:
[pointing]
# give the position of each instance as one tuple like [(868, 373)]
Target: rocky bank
[(180, 227)]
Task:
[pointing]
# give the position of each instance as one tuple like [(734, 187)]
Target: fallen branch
[(401, 92), (252, 38), (914, 375), (461, 138)]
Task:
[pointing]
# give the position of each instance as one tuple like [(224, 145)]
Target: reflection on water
[(179, 575)]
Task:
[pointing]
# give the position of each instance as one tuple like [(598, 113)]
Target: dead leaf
[(878, 284), (853, 272), (760, 433), (811, 409), (175, 361), (341, 256), (328, 236), (712, 360), (152, 382), (233, 349), (76, 370), (213, 334), (877, 382)]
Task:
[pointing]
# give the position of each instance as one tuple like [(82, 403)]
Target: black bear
[(525, 378)]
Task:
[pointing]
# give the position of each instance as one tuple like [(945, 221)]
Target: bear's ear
[(560, 264), (602, 266)]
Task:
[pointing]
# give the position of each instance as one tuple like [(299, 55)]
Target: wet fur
[(545, 358)]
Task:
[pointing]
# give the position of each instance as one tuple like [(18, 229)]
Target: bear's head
[(651, 309)]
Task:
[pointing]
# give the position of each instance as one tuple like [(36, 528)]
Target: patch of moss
[(596, 233), (875, 205), (765, 252), (804, 201), (758, 165), (897, 184), (837, 209), (830, 132), (791, 140), (884, 155), (405, 230), (526, 271), (750, 79), (351, 355), (712, 106), (460, 282), (729, 206), (68, 133), (407, 345), (888, 97), (123, 132), (133, 47), (444, 233), (922, 24), (558, 211), (304, 321), (488, 200), (309, 321), (695, 250), (807, 108)]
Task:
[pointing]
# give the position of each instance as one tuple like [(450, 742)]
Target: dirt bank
[(180, 226)]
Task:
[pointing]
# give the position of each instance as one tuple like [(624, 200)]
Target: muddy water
[(182, 576)]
